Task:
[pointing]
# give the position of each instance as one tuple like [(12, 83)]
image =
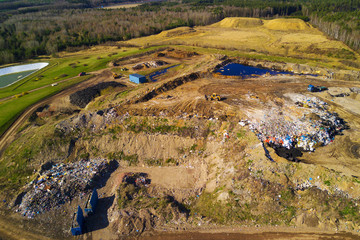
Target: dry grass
[(287, 24), (117, 6), (279, 37)]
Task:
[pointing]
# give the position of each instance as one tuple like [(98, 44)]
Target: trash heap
[(150, 64), (137, 179), (60, 184), (316, 127)]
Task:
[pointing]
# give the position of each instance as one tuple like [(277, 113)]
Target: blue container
[(137, 78)]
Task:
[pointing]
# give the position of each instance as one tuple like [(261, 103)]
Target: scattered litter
[(316, 127), (137, 179), (150, 64), (60, 184)]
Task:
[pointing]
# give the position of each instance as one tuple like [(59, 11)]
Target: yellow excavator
[(212, 97), (115, 75)]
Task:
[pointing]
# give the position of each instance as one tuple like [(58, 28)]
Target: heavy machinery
[(212, 97), (115, 75)]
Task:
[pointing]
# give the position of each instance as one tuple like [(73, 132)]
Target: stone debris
[(60, 184), (95, 121)]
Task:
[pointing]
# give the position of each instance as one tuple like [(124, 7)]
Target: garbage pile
[(317, 127), (60, 184), (137, 179), (150, 64)]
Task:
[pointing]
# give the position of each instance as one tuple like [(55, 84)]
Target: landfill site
[(193, 150)]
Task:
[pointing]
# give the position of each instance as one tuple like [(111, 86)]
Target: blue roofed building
[(137, 78)]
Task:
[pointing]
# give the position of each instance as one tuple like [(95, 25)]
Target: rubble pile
[(317, 127), (60, 184)]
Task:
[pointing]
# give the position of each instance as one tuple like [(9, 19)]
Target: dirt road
[(253, 234)]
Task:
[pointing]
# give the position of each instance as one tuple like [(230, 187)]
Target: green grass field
[(8, 79), (62, 68), (59, 69)]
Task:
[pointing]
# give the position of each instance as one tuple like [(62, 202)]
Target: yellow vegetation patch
[(176, 32), (279, 37), (233, 37), (286, 24), (238, 22), (303, 37)]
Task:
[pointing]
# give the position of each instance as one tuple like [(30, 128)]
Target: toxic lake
[(10, 75), (236, 69)]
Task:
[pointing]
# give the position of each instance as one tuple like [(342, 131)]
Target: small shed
[(137, 78)]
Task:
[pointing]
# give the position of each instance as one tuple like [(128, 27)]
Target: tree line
[(29, 28)]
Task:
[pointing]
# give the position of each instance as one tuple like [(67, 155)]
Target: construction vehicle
[(115, 75), (212, 97)]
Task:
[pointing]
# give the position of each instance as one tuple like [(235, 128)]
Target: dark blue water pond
[(235, 69), (153, 76)]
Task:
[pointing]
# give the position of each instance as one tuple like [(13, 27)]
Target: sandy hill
[(238, 22), (275, 24), (287, 37), (286, 24)]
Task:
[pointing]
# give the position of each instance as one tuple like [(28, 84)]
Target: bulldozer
[(212, 97)]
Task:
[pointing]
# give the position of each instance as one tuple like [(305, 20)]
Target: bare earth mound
[(286, 24), (238, 22), (291, 38)]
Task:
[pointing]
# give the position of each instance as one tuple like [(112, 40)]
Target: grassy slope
[(86, 61), (93, 60)]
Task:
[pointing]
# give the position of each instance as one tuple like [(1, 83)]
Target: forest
[(30, 28)]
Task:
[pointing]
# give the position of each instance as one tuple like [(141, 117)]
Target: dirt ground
[(253, 234), (260, 93), (215, 167)]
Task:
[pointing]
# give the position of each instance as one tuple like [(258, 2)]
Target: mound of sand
[(238, 22), (286, 24), (176, 32)]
